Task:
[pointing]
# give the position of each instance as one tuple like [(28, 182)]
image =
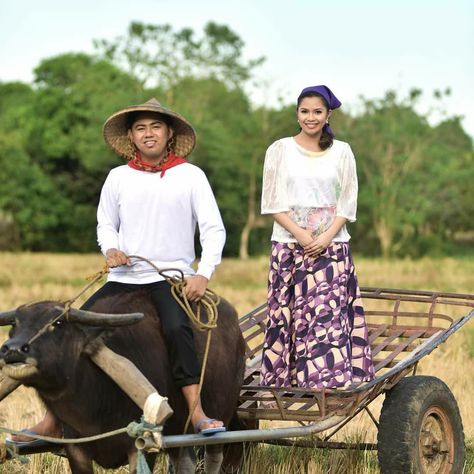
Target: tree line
[(414, 177)]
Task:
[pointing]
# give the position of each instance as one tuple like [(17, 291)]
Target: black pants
[(174, 321)]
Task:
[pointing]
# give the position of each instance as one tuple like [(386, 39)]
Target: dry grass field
[(27, 277)]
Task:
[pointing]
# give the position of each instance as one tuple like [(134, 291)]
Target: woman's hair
[(326, 140)]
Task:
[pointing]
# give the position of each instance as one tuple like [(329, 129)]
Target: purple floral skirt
[(316, 332)]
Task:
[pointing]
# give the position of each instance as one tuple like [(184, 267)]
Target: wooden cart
[(420, 428)]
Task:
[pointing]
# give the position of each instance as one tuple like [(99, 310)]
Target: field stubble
[(28, 277)]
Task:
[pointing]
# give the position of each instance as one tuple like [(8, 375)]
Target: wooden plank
[(379, 347), (395, 353), (409, 314), (409, 330), (376, 331)]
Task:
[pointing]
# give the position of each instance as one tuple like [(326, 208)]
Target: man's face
[(150, 134)]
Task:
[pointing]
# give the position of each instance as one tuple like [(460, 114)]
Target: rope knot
[(136, 429)]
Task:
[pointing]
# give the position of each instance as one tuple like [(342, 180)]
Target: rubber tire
[(402, 414)]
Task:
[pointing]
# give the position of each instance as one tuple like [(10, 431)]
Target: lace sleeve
[(274, 186), (347, 193)]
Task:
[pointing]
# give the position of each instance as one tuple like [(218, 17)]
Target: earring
[(327, 121)]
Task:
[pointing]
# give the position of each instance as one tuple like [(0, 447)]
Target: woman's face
[(312, 115)]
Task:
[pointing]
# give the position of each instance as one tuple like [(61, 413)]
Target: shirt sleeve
[(346, 205), (274, 185), (211, 228), (108, 221)]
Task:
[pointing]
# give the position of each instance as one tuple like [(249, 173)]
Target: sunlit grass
[(27, 277)]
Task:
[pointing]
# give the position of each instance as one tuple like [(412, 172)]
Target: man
[(150, 207)]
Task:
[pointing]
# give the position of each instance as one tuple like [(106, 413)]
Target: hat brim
[(116, 130)]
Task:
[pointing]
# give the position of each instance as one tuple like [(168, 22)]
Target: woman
[(316, 334)]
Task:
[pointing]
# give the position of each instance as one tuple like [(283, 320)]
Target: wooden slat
[(375, 332), (395, 353), (409, 330), (408, 314), (386, 341), (392, 347)]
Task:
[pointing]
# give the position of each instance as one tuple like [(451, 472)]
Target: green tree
[(31, 202), (159, 56), (54, 133), (75, 93), (222, 118), (407, 173)]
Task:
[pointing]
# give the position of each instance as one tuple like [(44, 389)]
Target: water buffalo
[(87, 401)]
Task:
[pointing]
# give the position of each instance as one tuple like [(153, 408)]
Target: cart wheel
[(420, 429)]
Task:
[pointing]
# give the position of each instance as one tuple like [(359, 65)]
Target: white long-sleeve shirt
[(312, 187), (142, 213)]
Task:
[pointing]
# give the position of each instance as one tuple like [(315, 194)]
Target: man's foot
[(46, 427), (28, 440), (209, 426), (201, 422)]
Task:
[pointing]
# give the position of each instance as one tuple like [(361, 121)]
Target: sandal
[(208, 431)]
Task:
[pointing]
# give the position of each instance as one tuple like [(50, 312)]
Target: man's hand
[(195, 287), (115, 258)]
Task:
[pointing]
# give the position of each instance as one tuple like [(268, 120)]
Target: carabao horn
[(102, 319)]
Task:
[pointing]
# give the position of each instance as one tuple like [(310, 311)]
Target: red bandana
[(171, 160)]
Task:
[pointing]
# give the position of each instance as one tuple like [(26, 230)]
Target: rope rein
[(68, 303)]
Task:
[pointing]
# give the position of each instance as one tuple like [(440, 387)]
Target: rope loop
[(135, 429), (209, 301)]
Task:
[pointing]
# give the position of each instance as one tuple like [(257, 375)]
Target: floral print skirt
[(316, 333)]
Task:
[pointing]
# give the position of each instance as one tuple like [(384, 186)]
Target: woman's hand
[(304, 237), (318, 245), (115, 258)]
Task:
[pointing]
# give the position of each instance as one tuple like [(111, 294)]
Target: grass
[(27, 277)]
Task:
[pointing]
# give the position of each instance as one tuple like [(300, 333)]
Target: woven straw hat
[(116, 130)]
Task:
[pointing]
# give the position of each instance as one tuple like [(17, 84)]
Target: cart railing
[(403, 326)]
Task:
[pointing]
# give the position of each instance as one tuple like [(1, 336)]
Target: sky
[(356, 47)]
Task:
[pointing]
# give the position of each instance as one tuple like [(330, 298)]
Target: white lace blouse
[(312, 187)]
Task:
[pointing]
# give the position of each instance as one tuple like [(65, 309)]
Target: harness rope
[(209, 302), (68, 303)]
